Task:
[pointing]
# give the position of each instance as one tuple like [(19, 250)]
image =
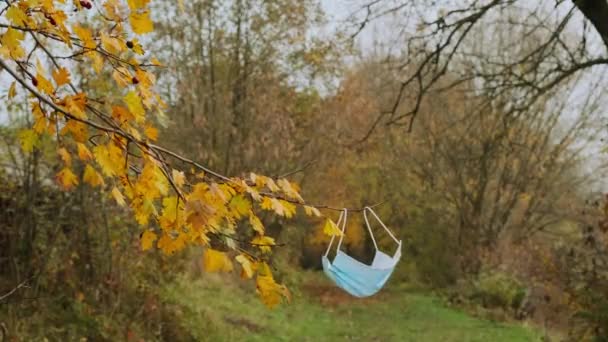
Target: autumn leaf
[(216, 261), (28, 139), (92, 177), (65, 156), (147, 240), (118, 197), (66, 179), (239, 206), (135, 107), (178, 177), (86, 37), (61, 76), (291, 190), (270, 292), (83, 152), (111, 44), (151, 132), (137, 4), (17, 16), (169, 245), (246, 265), (331, 229), (312, 211), (256, 224), (140, 22), (264, 243), (12, 91), (110, 158), (11, 43)]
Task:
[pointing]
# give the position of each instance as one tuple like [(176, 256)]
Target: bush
[(498, 290)]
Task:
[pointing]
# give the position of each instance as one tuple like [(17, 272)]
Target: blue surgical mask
[(355, 277)]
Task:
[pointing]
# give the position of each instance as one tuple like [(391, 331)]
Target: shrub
[(494, 289)]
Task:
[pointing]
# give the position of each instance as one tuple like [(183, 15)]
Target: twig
[(22, 284)]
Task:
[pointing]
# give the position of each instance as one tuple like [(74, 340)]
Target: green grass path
[(215, 309)]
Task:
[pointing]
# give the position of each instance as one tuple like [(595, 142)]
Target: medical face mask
[(355, 277)]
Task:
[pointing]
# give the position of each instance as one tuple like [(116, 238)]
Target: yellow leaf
[(291, 190), (111, 44), (77, 129), (110, 158), (92, 177), (76, 105), (216, 261), (266, 203), (288, 209), (66, 179), (12, 91), (86, 37), (256, 224), (154, 61), (178, 177), (44, 84), (122, 76), (28, 139), (65, 156), (137, 48), (270, 184), (135, 107), (270, 292), (147, 240), (140, 22), (331, 229), (137, 4), (239, 206), (151, 132), (171, 217), (118, 197), (171, 245), (61, 76), (11, 40), (312, 211), (264, 243), (121, 114), (83, 152), (17, 16), (246, 265)]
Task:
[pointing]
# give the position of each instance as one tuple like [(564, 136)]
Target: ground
[(214, 308)]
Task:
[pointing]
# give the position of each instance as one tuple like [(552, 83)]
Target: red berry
[(89, 5), (130, 44), (134, 80), (53, 22), (34, 81)]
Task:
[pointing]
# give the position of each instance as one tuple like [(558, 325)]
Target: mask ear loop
[(342, 220), (381, 223), (369, 228), (343, 229)]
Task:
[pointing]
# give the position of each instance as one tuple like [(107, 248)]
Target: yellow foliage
[(61, 76), (331, 229), (264, 243), (92, 177), (216, 261), (28, 139), (246, 265), (147, 240), (270, 292), (141, 22), (66, 179)]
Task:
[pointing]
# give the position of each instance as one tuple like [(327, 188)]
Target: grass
[(217, 309)]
